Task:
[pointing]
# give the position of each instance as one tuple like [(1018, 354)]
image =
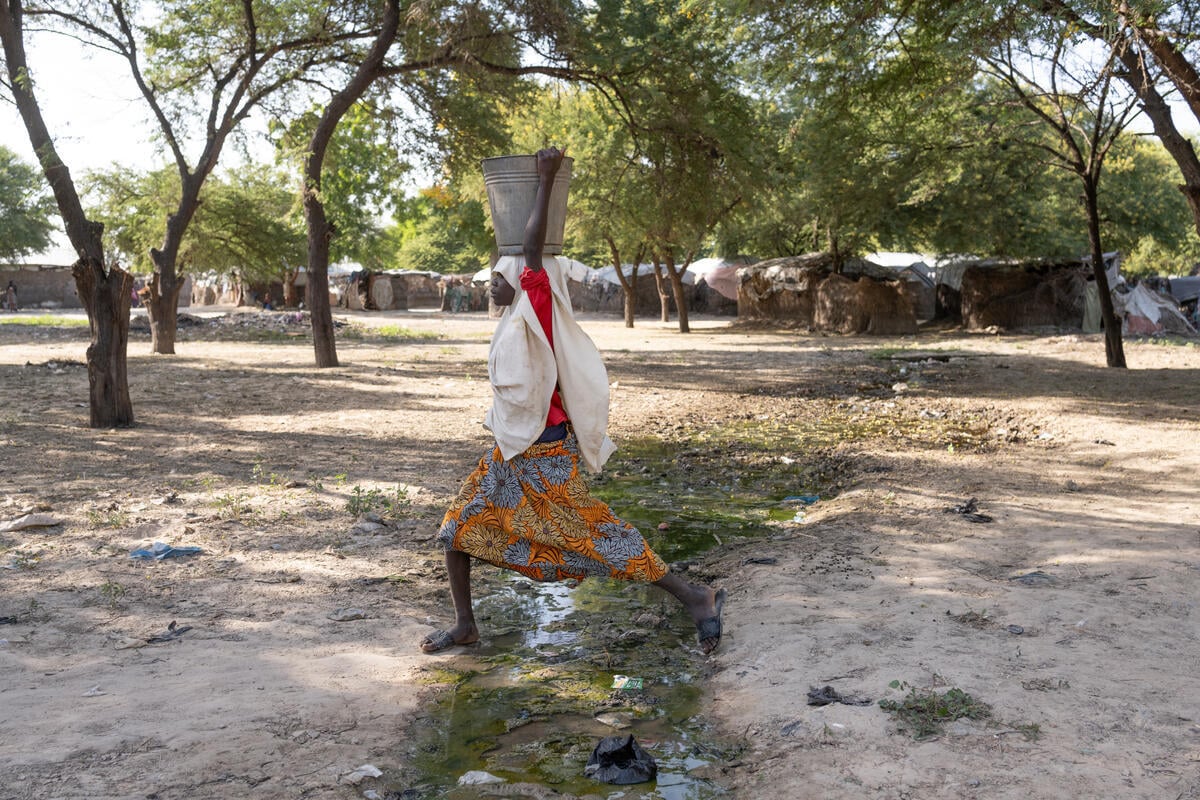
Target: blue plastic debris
[(806, 499), (161, 550)]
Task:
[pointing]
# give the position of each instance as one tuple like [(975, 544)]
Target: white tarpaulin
[(609, 274), (720, 273), (1145, 312)]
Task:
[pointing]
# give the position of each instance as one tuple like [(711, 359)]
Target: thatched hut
[(1029, 295), (863, 299)]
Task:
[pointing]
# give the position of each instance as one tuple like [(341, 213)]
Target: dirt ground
[(1065, 601)]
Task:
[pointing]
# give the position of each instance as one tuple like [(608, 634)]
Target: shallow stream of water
[(537, 696)]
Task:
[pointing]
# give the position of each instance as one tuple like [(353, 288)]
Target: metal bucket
[(512, 183)]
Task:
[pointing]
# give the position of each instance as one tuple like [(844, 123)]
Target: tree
[(447, 53), (442, 231), (104, 290), (202, 67), (247, 224), (1151, 40), (607, 187), (26, 209), (1076, 101)]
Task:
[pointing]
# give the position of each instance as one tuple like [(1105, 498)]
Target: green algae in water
[(704, 495), (529, 713)]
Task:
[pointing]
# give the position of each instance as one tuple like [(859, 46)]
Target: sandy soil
[(1071, 613)]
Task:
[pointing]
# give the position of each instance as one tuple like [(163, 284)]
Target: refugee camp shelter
[(917, 271), (863, 298)]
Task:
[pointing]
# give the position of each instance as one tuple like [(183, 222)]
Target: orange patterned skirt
[(534, 514)]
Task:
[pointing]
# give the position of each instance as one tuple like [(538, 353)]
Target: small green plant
[(922, 712), (1031, 731), (363, 500), (112, 592), (233, 505), (263, 474), (23, 560), (107, 518), (393, 504), (398, 503)]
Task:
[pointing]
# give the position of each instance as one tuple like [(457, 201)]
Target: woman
[(526, 507)]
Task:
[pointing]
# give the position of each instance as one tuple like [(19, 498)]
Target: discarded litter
[(827, 695), (1035, 578), (347, 614), (173, 631), (806, 499), (969, 511), (355, 777), (1015, 630), (626, 682), (478, 777), (765, 560), (29, 521), (95, 691), (160, 550), (620, 760)]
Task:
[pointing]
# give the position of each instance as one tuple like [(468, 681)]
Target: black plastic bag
[(620, 760)]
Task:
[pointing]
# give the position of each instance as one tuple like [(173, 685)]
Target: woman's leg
[(458, 568)]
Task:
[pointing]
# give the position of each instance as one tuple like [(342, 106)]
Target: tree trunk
[(106, 298), (1114, 351), (319, 234), (835, 252), (1174, 142), (162, 307), (320, 231), (105, 295), (1175, 65), (676, 277), (664, 296), (629, 285)]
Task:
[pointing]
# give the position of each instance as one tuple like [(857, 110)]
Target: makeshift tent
[(1185, 290), (1148, 313), (719, 273)]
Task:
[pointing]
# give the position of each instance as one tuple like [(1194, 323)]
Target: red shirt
[(536, 284)]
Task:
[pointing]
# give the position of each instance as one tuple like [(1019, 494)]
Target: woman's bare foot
[(463, 633)]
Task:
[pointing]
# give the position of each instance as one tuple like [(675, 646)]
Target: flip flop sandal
[(437, 641), (710, 627)]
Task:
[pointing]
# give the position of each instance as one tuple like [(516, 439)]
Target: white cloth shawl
[(523, 369)]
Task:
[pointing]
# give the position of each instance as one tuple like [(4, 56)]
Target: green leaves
[(248, 221), (27, 211)]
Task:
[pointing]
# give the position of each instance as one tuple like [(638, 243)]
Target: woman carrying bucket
[(526, 507)]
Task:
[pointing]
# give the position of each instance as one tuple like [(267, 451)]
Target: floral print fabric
[(534, 514)]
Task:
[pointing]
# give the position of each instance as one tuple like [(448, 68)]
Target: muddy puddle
[(530, 704), (533, 701)]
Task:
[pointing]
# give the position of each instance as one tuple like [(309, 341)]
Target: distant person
[(268, 303), (526, 507), (10, 297)]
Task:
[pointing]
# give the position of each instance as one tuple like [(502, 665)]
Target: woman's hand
[(549, 160)]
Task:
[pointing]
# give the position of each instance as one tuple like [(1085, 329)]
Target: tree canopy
[(27, 211)]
